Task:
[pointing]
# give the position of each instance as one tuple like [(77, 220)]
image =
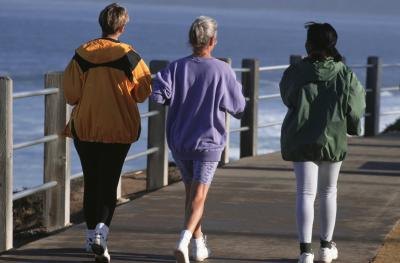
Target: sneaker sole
[(180, 258), (200, 259), (97, 249), (324, 260), (101, 259)]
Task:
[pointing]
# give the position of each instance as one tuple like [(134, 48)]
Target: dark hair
[(321, 39), (113, 17)]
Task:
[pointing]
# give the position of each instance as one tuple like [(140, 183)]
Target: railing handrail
[(271, 124), (127, 159), (240, 129), (360, 65), (272, 68), (269, 96), (284, 66), (149, 114), (34, 190), (390, 113), (390, 88), (27, 94), (393, 65), (241, 69), (43, 139), (53, 137)]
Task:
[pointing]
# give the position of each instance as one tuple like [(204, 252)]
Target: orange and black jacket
[(104, 81)]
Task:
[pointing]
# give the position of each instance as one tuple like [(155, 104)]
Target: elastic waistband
[(209, 156)]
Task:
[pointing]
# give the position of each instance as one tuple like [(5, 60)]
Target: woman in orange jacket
[(104, 82)]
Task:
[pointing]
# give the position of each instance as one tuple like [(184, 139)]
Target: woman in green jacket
[(325, 103)]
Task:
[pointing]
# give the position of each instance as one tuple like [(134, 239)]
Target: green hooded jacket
[(325, 102)]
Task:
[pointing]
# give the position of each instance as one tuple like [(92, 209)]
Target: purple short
[(200, 171)]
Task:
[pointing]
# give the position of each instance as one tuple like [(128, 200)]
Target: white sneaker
[(306, 258), (103, 258), (88, 245), (182, 254), (89, 240), (200, 250), (326, 255), (181, 251), (99, 245)]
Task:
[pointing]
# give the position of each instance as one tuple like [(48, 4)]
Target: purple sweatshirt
[(198, 92)]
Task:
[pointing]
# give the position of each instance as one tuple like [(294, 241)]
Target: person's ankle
[(326, 244), (102, 229), (197, 235), (185, 237), (305, 248)]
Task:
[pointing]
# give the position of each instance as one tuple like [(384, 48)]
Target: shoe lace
[(102, 236)]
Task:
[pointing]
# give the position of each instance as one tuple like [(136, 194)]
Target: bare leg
[(195, 207), (197, 232)]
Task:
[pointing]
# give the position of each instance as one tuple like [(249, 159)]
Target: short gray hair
[(201, 31)]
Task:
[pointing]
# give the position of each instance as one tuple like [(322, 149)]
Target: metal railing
[(34, 190), (129, 157), (57, 176), (41, 140), (251, 70), (393, 65), (27, 94)]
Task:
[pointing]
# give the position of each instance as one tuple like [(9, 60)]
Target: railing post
[(157, 163), (373, 97), (295, 59), (250, 82), (56, 156), (225, 153), (6, 163)]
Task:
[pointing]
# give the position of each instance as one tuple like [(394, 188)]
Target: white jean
[(310, 178)]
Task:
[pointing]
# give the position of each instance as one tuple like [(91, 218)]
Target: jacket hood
[(321, 70), (103, 50)]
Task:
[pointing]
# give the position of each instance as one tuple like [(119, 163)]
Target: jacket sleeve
[(233, 100), (162, 87), (356, 106), (72, 83), (287, 87), (142, 82)]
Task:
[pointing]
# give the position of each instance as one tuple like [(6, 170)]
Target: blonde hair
[(112, 18), (201, 31)]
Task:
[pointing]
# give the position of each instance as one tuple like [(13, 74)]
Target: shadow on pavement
[(361, 171), (68, 255)]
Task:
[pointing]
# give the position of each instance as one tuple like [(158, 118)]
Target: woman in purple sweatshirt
[(199, 90)]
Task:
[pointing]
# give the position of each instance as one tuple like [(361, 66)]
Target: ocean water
[(40, 36)]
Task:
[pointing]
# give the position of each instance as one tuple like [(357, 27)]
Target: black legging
[(102, 165)]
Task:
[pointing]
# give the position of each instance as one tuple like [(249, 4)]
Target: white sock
[(184, 240), (102, 229)]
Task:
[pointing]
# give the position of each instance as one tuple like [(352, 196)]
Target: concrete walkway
[(249, 214)]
